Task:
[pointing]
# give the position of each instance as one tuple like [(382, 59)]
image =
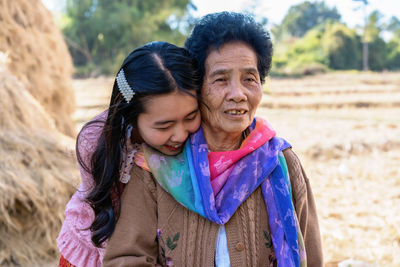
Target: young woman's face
[(168, 120)]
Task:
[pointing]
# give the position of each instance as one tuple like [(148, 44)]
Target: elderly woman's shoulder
[(298, 177)]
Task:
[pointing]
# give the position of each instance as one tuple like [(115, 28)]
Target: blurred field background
[(56, 73)]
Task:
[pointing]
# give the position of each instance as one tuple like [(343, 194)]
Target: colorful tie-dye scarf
[(187, 178)]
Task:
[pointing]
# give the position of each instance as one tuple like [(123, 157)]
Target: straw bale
[(39, 57), (38, 174), (38, 169)]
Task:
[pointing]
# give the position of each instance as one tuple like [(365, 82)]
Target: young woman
[(154, 100)]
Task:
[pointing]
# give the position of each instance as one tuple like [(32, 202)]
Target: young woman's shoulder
[(86, 145), (90, 133)]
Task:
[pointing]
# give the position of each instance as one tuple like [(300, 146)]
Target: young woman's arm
[(74, 240), (134, 240)]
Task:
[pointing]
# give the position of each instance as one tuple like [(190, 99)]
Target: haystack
[(38, 169), (39, 57)]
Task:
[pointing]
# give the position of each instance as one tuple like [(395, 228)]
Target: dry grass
[(38, 169), (37, 176), (39, 58)]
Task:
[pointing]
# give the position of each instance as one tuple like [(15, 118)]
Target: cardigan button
[(239, 246)]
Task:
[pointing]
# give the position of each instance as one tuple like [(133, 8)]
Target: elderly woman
[(237, 195)]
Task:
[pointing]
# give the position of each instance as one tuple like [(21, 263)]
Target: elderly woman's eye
[(251, 79), (220, 80)]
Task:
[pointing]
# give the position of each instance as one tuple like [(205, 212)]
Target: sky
[(276, 10)]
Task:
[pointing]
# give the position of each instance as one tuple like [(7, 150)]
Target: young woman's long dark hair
[(153, 69)]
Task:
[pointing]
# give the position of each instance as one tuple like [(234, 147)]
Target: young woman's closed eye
[(168, 120)]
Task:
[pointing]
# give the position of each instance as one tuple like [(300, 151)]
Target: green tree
[(100, 33), (304, 56), (305, 16), (376, 45), (341, 47), (394, 26), (374, 26), (393, 46), (393, 54), (364, 40), (308, 49)]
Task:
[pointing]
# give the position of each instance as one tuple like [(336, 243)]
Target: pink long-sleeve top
[(74, 240)]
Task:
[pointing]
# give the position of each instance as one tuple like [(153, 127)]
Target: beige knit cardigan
[(187, 239)]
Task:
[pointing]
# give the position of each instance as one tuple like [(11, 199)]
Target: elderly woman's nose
[(236, 92)]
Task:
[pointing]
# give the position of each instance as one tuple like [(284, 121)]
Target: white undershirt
[(221, 249)]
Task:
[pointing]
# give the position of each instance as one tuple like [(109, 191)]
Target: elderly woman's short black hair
[(215, 30)]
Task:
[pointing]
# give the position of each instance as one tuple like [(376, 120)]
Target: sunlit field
[(345, 127)]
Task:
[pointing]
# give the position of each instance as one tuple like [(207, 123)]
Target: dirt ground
[(345, 129)]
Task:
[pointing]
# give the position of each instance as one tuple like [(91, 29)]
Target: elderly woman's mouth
[(235, 111)]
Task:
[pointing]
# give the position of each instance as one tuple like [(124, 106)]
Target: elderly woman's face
[(232, 88)]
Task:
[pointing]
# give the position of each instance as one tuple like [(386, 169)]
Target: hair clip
[(124, 87)]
